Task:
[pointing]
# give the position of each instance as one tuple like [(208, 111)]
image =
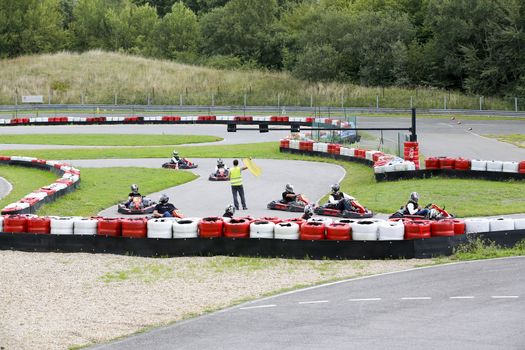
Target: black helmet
[(335, 187), (230, 209), (164, 198), (289, 188), (220, 162), (414, 196), (309, 210), (134, 188)]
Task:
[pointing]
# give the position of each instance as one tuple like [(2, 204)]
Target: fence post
[(411, 102), (445, 102), (116, 100), (516, 104), (278, 101), (212, 99), (82, 98), (311, 100), (49, 97), (342, 101), (180, 99), (481, 103), (149, 99), (377, 101)]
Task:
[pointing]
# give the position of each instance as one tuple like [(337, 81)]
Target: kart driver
[(134, 193), (412, 207), (165, 209), (289, 195), (220, 165), (229, 211), (176, 158), (339, 200)]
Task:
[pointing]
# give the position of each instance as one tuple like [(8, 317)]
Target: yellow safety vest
[(235, 176)]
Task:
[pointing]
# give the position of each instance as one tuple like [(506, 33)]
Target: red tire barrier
[(521, 167), (306, 145), (133, 119), (360, 153), (19, 121), (284, 144), (459, 226), (206, 117), (334, 148), (237, 228), (298, 221), (377, 155), (30, 201), (15, 223), (310, 119), (243, 119), (41, 225), (442, 228), (432, 163), (109, 227), (312, 231), (5, 158), (279, 119), (446, 163), (171, 118), (211, 227), (416, 229), (134, 228), (462, 164), (338, 231)]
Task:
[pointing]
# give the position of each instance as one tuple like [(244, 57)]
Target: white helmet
[(134, 188), (230, 209), (335, 187), (414, 196), (175, 153), (289, 188)]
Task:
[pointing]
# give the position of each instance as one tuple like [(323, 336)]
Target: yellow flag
[(254, 169)]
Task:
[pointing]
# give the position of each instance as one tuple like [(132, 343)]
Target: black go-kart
[(183, 163), (139, 205), (222, 174)]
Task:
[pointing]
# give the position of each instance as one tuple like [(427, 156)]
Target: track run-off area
[(478, 305)]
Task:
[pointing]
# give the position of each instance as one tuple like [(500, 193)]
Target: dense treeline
[(477, 46)]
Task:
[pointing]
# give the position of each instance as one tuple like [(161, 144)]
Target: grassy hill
[(101, 77)]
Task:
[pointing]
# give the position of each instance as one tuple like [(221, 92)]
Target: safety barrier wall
[(69, 181)]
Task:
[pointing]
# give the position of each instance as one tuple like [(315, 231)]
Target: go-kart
[(183, 163), (139, 205), (222, 174), (358, 211), (295, 206), (434, 213)]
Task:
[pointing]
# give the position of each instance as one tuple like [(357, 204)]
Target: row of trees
[(473, 45)]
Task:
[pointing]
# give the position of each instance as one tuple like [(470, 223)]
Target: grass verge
[(514, 139), (482, 249), (463, 197), (106, 139), (101, 188), (24, 181)]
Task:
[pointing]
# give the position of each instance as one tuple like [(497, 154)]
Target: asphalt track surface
[(475, 305), (5, 187), (201, 197)]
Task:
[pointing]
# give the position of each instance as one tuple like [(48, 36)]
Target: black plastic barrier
[(296, 249)]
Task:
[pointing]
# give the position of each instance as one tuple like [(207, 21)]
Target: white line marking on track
[(365, 299), (313, 302), (416, 298), (462, 297), (257, 307), (504, 297)]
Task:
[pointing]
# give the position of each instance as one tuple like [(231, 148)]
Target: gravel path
[(55, 301)]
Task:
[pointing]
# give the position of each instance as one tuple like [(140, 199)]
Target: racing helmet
[(335, 187), (220, 162), (309, 210), (230, 209), (134, 188), (414, 196), (175, 153), (289, 188), (164, 198)]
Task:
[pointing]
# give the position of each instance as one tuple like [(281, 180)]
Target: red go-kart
[(183, 163), (434, 213), (222, 174), (358, 211), (295, 206), (139, 205)]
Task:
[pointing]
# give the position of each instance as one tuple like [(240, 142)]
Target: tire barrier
[(262, 229), (392, 168), (350, 240), (29, 204), (186, 228)]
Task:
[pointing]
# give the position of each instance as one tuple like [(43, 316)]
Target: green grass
[(101, 188), (99, 76), (148, 273), (24, 181), (515, 139), (482, 249), (462, 197), (106, 139)]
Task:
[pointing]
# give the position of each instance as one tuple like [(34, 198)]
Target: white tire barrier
[(83, 226), (1, 224), (262, 229), (494, 165), (364, 230), (326, 221), (391, 230), (62, 225), (160, 228), (186, 228), (322, 147), (510, 167), (476, 225), (346, 221), (478, 165), (519, 224), (286, 230), (501, 224)]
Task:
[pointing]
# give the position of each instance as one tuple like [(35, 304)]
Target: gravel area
[(56, 300)]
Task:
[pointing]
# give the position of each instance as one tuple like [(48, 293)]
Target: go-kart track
[(451, 306)]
